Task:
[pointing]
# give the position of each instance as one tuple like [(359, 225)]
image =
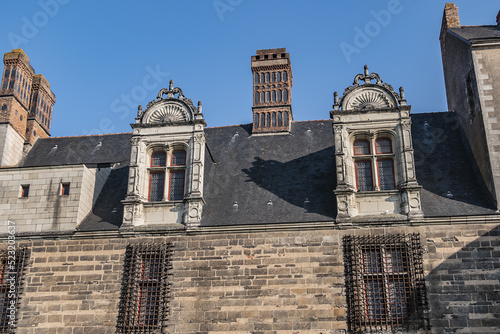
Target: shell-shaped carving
[(170, 113), (369, 99)]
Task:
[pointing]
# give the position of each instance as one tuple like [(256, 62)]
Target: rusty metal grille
[(11, 271), (144, 303), (385, 285)]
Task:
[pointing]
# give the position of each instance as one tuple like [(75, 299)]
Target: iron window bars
[(145, 289), (385, 285), (12, 263)]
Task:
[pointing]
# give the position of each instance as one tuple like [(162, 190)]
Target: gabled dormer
[(374, 152), (165, 185)]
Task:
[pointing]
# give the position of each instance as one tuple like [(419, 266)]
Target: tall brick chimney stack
[(450, 20), (450, 16), (498, 18), (272, 91)]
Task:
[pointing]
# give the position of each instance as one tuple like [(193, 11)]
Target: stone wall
[(45, 209), (11, 146), (257, 282)]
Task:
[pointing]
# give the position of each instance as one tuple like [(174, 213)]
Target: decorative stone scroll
[(169, 109), (365, 95)]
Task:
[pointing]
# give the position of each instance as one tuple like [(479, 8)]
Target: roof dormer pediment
[(174, 109), (365, 95)]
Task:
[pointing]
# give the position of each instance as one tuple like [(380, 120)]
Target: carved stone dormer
[(374, 153), (165, 186)]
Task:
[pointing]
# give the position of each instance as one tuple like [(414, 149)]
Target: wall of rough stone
[(257, 282)]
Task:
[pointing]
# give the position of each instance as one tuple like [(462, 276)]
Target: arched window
[(256, 121), (285, 95), (278, 77), (268, 96), (374, 164), (285, 76), (267, 77), (262, 120), (256, 78), (279, 96), (274, 119), (262, 78), (280, 119), (268, 120), (257, 98), (273, 96), (262, 97), (285, 118)]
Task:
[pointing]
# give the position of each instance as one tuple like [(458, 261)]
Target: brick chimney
[(272, 91), (498, 18), (450, 16)]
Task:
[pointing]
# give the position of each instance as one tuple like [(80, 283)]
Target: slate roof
[(443, 165), (97, 149), (477, 33), (270, 178), (288, 178)]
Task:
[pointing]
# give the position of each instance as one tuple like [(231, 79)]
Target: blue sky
[(104, 58)]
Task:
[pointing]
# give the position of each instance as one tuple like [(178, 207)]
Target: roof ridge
[(97, 135)]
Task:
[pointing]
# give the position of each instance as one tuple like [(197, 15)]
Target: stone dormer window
[(166, 166), (374, 152)]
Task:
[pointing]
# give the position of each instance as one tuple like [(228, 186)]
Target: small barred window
[(12, 263), (385, 283), (144, 298)]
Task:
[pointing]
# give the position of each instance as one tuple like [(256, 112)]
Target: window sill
[(163, 203), (377, 193)]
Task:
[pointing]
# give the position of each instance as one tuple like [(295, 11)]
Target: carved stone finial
[(139, 111), (367, 73), (199, 107), (335, 98), (171, 85), (402, 99)]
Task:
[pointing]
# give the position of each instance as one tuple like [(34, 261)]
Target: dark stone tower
[(272, 91)]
